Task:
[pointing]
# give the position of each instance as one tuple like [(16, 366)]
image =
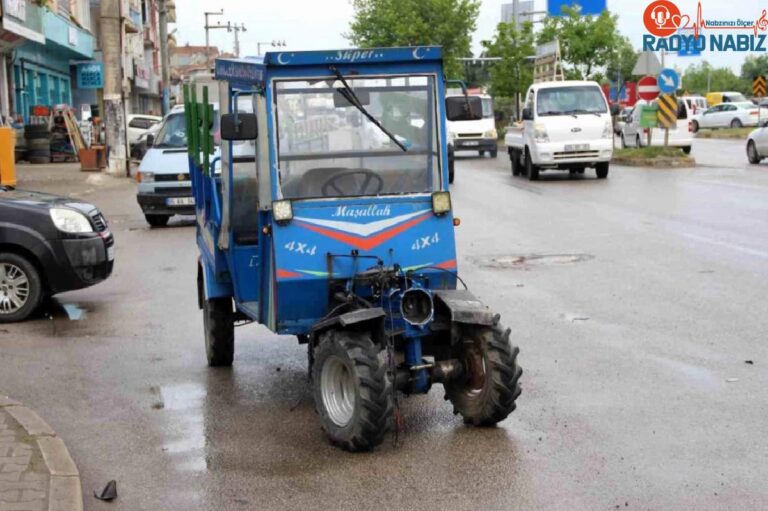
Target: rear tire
[(21, 288), (695, 126), (638, 142), (531, 170), (736, 123), (352, 390), (687, 149), (219, 324), (451, 170), (601, 169), (157, 220), (488, 393), (514, 158), (752, 155), (623, 142)]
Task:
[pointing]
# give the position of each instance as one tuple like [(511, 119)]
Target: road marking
[(732, 246)]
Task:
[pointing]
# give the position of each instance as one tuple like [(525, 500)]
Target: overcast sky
[(320, 24)]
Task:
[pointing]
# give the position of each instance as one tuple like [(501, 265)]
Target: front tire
[(494, 153), (695, 126), (491, 386), (21, 288), (219, 324), (687, 149), (514, 158), (623, 142), (157, 220), (352, 390), (601, 169), (752, 154), (451, 170), (531, 170)]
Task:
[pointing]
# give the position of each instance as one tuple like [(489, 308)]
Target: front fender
[(465, 308)]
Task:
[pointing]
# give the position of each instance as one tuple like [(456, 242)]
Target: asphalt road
[(636, 302)]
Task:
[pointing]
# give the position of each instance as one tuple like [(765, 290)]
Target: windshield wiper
[(574, 112), (350, 96), (552, 112)]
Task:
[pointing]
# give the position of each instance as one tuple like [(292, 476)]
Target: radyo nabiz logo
[(670, 30)]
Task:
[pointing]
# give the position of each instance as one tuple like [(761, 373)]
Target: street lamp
[(220, 12), (274, 44), (237, 29)]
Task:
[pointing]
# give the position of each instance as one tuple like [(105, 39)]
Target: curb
[(65, 491)]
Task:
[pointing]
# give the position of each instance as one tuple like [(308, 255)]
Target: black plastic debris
[(108, 493), (750, 362)]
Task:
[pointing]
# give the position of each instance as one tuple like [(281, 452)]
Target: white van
[(164, 187), (476, 132), (632, 135)]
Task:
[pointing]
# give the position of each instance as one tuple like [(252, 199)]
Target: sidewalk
[(36, 470)]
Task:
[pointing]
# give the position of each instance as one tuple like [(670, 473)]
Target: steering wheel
[(372, 184)]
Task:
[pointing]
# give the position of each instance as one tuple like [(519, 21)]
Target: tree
[(754, 66), (513, 74), (622, 61), (703, 78), (587, 43), (448, 23)]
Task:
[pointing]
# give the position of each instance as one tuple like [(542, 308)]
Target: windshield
[(329, 148), (583, 99), (173, 133)]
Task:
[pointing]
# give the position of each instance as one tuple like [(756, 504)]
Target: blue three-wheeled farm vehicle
[(338, 228)]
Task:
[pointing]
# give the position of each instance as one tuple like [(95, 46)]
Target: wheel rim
[(337, 387), (14, 288)]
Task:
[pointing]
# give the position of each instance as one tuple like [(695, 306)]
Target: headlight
[(441, 203), (608, 129), (540, 133), (145, 177), (282, 211), (491, 134), (71, 221)]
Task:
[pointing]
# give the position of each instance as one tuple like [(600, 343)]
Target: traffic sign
[(667, 112), (669, 81), (758, 86), (648, 88), (647, 64)]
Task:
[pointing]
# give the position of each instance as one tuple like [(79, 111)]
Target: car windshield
[(328, 147), (173, 133), (583, 99)]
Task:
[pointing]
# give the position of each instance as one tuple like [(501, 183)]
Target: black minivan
[(48, 245)]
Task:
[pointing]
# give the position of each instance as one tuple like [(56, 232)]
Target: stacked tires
[(38, 138)]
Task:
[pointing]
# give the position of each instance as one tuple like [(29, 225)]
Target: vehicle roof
[(146, 116), (562, 83), (253, 69)]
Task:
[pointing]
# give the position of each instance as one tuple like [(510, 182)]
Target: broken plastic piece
[(108, 493)]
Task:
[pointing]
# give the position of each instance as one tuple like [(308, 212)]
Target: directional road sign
[(669, 81), (667, 112), (648, 88), (758, 86)]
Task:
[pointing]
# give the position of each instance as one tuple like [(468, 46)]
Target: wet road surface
[(636, 302)]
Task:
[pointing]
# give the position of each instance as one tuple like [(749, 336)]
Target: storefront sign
[(90, 75)]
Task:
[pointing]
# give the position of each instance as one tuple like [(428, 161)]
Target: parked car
[(138, 124), (681, 136), (164, 187), (715, 98), (621, 120), (727, 115), (757, 143), (48, 245), (140, 147)]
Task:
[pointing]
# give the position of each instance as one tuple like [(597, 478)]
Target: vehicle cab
[(471, 128)]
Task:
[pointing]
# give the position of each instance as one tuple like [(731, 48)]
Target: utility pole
[(164, 58), (220, 12), (114, 107), (274, 44), (237, 30)]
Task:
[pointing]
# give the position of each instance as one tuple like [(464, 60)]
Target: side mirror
[(615, 110), (241, 128), (150, 140), (527, 114)]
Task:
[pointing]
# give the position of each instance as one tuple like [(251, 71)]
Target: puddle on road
[(182, 406), (529, 260)]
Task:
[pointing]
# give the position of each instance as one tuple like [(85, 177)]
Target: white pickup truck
[(565, 125)]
